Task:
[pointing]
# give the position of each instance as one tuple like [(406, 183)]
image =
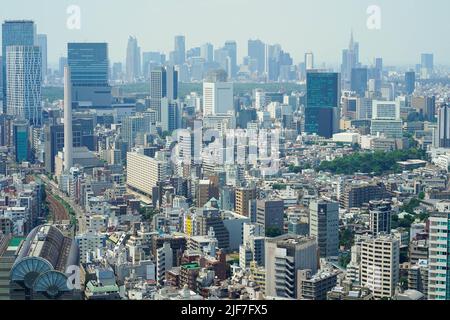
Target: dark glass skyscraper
[(90, 72), (88, 63), (444, 126), (410, 82), (15, 33), (21, 141), (322, 106)]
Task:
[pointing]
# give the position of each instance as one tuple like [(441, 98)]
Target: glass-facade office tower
[(322, 106), (88, 63), (444, 126), (359, 81), (257, 51), (23, 78), (90, 73), (180, 50), (133, 65), (410, 82), (427, 65), (350, 60), (15, 32), (324, 226), (207, 52), (41, 41), (163, 84), (21, 141)]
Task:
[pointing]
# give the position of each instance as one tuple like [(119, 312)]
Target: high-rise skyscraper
[(444, 126), (410, 82), (324, 226), (133, 63), (257, 51), (439, 274), (273, 57), (41, 42), (158, 89), (218, 97), (309, 61), (359, 81), (90, 74), (23, 83), (54, 142), (231, 47), (207, 52), (62, 63), (427, 65), (68, 131), (172, 83), (1, 81), (350, 60), (21, 141), (170, 115), (322, 105), (19, 33), (180, 50), (163, 84)]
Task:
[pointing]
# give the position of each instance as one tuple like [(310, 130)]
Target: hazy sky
[(408, 27)]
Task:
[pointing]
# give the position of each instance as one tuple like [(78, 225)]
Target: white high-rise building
[(438, 257), (380, 265), (386, 119), (217, 98), (89, 244), (309, 60), (23, 80), (143, 173), (260, 99), (385, 110)]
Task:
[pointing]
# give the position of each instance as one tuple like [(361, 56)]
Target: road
[(79, 212)]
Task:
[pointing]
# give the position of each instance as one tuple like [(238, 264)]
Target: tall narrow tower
[(68, 134)]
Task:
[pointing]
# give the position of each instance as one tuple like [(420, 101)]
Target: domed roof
[(28, 269), (51, 283)]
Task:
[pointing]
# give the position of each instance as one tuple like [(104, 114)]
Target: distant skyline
[(408, 27)]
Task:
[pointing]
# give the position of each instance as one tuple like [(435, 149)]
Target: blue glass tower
[(21, 141), (322, 105), (90, 73), (88, 63), (15, 33), (359, 81)]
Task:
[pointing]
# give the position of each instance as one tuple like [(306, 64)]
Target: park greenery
[(376, 163), (57, 93)]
